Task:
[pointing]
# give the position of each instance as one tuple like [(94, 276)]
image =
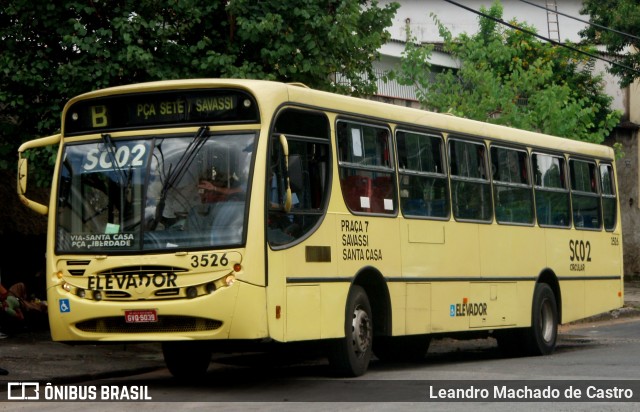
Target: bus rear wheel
[(350, 355), (186, 360), (541, 337)]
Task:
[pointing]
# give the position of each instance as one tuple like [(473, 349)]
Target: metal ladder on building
[(552, 20)]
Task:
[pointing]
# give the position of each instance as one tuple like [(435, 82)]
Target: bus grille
[(164, 324)]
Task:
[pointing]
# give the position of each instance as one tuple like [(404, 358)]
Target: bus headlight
[(81, 293), (230, 280), (97, 295)]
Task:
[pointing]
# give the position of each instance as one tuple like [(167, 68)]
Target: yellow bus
[(201, 212)]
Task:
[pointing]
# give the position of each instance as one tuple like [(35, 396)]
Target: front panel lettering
[(124, 157)]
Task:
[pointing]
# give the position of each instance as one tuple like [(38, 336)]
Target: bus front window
[(154, 194)]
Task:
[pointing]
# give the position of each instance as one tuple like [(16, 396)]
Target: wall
[(417, 13), (628, 181)]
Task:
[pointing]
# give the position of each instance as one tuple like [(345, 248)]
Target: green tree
[(508, 77), (623, 16), (51, 51)]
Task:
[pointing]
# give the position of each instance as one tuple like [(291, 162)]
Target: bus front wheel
[(350, 355), (541, 337), (186, 360)]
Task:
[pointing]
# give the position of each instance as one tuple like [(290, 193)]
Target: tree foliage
[(620, 15), (509, 77), (52, 51)]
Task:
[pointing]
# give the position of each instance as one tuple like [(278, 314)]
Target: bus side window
[(609, 200), (512, 191), (367, 175), (584, 195), (470, 185), (424, 190), (551, 191)]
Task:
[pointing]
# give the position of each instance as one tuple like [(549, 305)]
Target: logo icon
[(27, 391), (452, 310), (65, 307)]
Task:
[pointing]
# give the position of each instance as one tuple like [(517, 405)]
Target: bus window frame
[(326, 194), (529, 185), (392, 170), (596, 194), (604, 195), (402, 172), (478, 142), (564, 176)]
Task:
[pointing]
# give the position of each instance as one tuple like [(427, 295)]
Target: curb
[(625, 312)]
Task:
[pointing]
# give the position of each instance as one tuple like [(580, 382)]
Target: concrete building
[(417, 15)]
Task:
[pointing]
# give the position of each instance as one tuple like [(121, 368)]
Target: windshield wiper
[(111, 149), (124, 178), (182, 166)]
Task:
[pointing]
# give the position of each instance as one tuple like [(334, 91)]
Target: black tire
[(401, 348), (350, 355), (540, 338), (186, 360)]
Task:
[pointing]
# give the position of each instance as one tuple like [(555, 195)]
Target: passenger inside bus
[(221, 203)]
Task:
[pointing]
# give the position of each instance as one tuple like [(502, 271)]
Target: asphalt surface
[(30, 355)]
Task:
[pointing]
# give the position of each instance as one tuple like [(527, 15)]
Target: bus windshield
[(154, 193)]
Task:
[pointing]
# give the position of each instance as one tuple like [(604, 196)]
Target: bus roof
[(296, 93)]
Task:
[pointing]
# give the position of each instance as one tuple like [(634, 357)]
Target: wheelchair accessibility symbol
[(65, 307)]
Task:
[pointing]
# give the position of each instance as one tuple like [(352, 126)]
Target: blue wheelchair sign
[(64, 305)]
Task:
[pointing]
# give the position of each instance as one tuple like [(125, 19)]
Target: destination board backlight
[(164, 109)]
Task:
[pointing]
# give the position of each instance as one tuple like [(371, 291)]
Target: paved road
[(588, 352)]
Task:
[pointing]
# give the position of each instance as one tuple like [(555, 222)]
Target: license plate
[(141, 316)]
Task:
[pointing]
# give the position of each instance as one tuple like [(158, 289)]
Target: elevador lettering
[(468, 309)]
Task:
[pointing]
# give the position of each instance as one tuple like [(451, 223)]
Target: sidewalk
[(32, 356)]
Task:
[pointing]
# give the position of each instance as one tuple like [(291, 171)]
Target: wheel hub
[(361, 331)]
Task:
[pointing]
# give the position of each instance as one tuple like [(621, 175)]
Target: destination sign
[(161, 109)]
